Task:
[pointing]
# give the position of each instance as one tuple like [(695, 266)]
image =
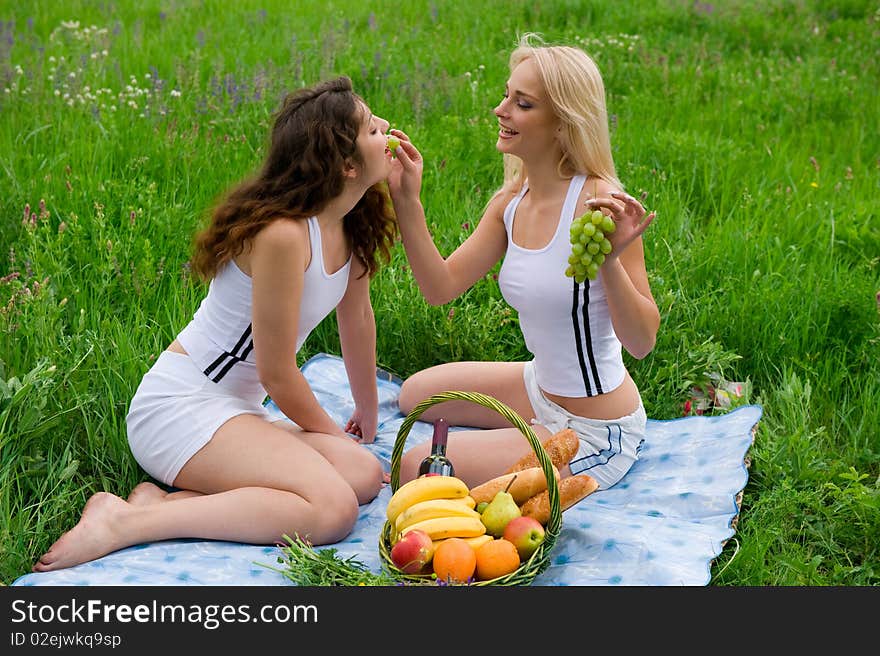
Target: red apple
[(412, 551), (526, 533)]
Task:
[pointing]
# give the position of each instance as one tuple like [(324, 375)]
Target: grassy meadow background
[(751, 125)]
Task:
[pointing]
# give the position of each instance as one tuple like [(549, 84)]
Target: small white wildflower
[(52, 59), (57, 92), (175, 93)]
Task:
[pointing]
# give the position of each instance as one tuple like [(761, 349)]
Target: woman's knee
[(332, 515), (414, 390), (366, 478)]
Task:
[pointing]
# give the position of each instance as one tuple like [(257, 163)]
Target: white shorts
[(608, 447), (175, 412)]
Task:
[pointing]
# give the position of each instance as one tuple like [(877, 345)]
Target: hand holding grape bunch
[(589, 245)]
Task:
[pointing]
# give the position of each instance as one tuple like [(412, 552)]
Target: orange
[(454, 561), (496, 558)]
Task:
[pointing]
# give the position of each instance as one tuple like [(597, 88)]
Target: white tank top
[(566, 325), (219, 339)]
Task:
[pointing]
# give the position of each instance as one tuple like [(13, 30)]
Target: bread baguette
[(527, 484), (560, 448), (571, 490)]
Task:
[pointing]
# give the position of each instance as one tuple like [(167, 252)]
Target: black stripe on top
[(233, 357), (575, 301), (589, 340)]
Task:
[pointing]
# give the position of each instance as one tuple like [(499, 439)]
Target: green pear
[(501, 509)]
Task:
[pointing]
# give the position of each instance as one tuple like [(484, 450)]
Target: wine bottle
[(437, 464)]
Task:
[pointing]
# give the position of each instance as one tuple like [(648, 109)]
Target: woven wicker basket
[(540, 559)]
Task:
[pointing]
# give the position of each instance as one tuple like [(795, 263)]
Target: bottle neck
[(441, 433)]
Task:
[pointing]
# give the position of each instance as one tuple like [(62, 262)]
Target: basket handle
[(505, 411)]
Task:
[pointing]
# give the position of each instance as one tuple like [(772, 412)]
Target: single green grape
[(608, 225), (584, 238), (593, 270), (578, 249), (569, 271), (605, 246), (597, 217), (589, 229), (573, 259), (593, 247), (598, 236), (393, 143), (586, 259), (598, 259)]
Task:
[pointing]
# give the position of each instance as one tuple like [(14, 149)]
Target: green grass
[(751, 125)]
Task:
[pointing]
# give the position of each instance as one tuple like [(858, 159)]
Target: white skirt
[(177, 409)]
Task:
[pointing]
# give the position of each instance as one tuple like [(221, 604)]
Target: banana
[(434, 508), (440, 528), (475, 543), (424, 489)]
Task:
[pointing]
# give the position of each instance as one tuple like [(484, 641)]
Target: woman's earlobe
[(350, 170)]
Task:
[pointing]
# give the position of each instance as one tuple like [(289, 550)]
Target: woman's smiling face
[(527, 122)]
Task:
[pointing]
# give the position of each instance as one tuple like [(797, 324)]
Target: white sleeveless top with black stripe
[(566, 325), (219, 339)]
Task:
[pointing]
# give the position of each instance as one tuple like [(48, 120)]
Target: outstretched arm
[(440, 279), (357, 336)]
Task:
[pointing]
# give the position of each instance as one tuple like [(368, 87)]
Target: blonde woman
[(553, 134)]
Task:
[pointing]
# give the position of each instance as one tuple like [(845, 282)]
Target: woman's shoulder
[(283, 232), (595, 186), (281, 239), (499, 202)]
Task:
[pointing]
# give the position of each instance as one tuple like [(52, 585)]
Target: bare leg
[(360, 468), (501, 380), (256, 483), (477, 455), (146, 493)]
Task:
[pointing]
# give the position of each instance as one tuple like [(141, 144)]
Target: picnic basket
[(540, 559)]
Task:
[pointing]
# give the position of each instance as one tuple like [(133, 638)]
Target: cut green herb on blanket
[(305, 565)]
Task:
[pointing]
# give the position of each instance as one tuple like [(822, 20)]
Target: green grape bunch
[(589, 245)]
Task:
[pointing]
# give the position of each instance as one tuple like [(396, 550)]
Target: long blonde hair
[(574, 86)]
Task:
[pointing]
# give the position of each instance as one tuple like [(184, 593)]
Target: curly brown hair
[(313, 137)]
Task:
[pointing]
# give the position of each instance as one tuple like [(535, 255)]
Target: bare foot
[(146, 493), (95, 534)]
